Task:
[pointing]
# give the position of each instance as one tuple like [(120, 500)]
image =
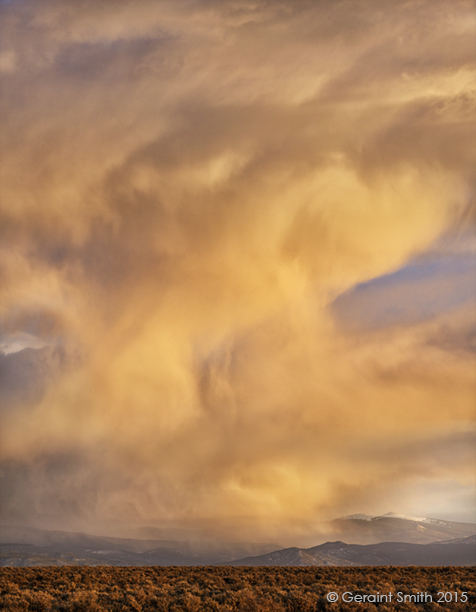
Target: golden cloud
[(187, 187)]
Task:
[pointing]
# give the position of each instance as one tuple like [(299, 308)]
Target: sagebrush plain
[(220, 589)]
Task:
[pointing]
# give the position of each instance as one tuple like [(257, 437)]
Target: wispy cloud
[(187, 187)]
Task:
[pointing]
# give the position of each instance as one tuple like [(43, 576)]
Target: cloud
[(188, 187)]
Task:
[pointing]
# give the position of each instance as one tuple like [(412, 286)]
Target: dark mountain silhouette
[(25, 547), (461, 551)]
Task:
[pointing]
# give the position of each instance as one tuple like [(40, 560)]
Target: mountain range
[(461, 551), (392, 527), (26, 547), (403, 541)]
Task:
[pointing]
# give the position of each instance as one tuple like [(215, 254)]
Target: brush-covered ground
[(246, 589)]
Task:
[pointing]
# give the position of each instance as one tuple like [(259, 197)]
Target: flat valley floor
[(246, 589)]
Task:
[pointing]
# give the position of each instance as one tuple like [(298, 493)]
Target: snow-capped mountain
[(394, 527)]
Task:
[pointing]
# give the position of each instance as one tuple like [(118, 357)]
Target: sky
[(237, 262)]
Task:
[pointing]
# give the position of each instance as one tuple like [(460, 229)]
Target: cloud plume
[(187, 189)]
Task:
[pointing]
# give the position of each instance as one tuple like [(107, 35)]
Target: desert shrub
[(38, 602), (84, 601), (224, 589), (10, 603), (250, 600)]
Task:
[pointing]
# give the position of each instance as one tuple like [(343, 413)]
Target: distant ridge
[(461, 551), (393, 527), (29, 547), (359, 539), (356, 517), (395, 515)]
